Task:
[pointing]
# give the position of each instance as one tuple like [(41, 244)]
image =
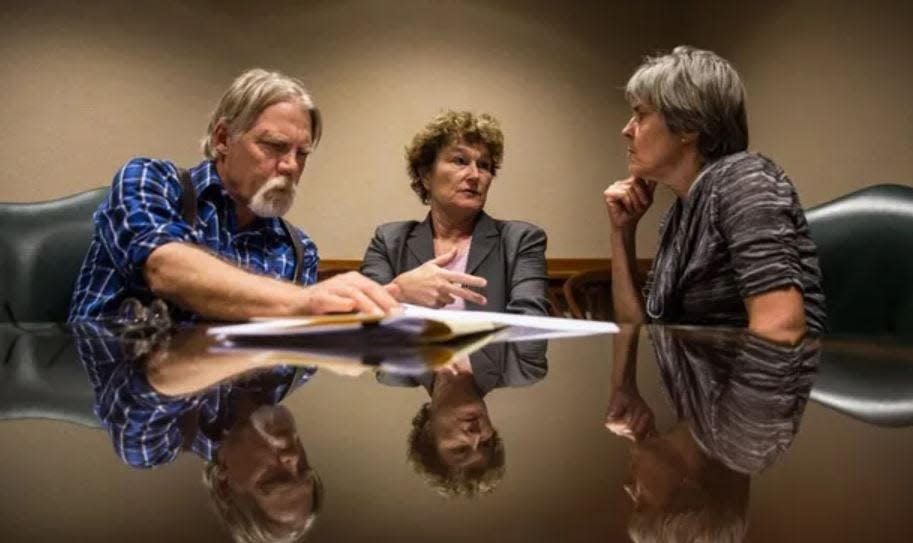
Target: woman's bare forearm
[(627, 300)]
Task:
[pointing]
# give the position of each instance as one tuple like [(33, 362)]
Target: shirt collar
[(204, 175)]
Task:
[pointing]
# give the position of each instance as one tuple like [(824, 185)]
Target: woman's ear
[(689, 137)]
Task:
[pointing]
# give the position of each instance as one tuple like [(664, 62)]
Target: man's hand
[(627, 201), (431, 285), (348, 292), (629, 416)]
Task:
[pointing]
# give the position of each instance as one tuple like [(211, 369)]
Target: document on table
[(521, 327), (424, 324)]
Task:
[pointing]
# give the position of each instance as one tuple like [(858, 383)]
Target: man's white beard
[(274, 198)]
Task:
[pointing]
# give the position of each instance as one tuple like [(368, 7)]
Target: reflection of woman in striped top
[(734, 249)]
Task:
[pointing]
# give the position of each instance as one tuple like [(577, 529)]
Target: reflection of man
[(261, 483), (739, 400), (256, 469), (212, 244), (453, 443)]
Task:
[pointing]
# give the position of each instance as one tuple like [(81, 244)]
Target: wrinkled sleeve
[(755, 214), (142, 213)]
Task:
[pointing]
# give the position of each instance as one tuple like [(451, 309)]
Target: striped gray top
[(743, 397), (739, 232)]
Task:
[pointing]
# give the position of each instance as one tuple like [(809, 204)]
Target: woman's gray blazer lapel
[(419, 246), (485, 261), (484, 239)]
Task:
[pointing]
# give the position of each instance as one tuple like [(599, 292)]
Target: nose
[(289, 164), (631, 490), (473, 170), (289, 459), (477, 433), (628, 130)]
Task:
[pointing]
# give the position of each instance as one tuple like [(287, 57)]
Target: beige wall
[(830, 86), (87, 85)]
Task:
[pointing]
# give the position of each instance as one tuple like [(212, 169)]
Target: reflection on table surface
[(653, 434)]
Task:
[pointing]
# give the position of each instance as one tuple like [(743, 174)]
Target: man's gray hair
[(696, 91), (251, 93)]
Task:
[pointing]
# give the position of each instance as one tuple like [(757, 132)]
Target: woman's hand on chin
[(627, 200), (431, 285)]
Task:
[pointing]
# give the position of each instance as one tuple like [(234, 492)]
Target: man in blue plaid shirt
[(236, 260)]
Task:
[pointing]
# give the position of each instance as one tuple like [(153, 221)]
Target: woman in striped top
[(734, 248)]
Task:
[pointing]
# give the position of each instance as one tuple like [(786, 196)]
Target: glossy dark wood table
[(809, 443)]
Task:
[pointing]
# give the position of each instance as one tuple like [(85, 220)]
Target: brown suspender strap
[(296, 246), (293, 384), (189, 214), (188, 198)]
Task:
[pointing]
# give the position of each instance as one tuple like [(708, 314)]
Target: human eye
[(460, 159), (485, 165), (271, 146)]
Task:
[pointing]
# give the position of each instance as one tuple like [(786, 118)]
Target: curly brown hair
[(450, 127), (447, 481)]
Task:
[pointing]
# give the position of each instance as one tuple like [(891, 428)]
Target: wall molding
[(558, 268)]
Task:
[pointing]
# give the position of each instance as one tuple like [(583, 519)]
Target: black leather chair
[(865, 245), (870, 387), (41, 376), (42, 246)]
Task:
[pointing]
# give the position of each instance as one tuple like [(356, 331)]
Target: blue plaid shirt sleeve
[(142, 213), (144, 429), (145, 425)]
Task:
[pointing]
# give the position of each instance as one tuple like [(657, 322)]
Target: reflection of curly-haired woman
[(453, 444), (456, 451)]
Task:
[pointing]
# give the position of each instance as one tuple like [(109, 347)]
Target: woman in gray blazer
[(459, 257)]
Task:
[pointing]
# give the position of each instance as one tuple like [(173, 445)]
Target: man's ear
[(220, 482), (220, 137)]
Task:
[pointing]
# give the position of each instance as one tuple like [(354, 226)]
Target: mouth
[(470, 192), (281, 190)]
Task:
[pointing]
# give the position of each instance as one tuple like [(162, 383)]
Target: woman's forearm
[(627, 300)]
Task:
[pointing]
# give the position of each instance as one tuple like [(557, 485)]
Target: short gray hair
[(696, 91), (247, 522), (251, 93)]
